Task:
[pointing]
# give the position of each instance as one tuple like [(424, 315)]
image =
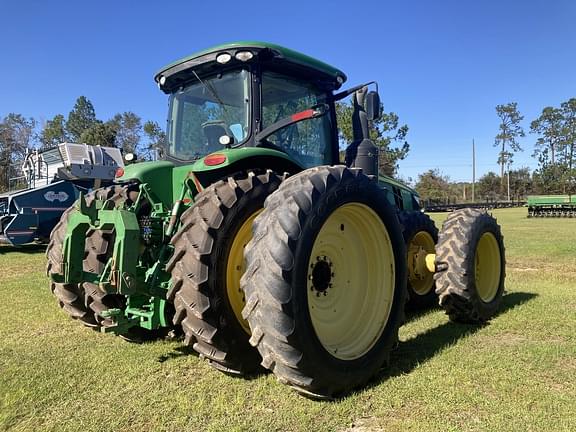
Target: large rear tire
[(470, 266), (206, 267), (420, 237), (325, 281)]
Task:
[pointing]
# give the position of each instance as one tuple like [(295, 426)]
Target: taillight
[(215, 159), (120, 172)]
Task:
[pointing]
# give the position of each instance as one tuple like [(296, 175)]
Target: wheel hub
[(321, 275), (421, 263), (417, 264)]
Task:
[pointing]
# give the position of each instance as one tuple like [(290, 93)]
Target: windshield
[(202, 112)]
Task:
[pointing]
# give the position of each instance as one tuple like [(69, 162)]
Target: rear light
[(214, 159), (223, 58), (119, 172), (244, 55)]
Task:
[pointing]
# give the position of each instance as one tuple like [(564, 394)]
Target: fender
[(165, 179), (230, 161)]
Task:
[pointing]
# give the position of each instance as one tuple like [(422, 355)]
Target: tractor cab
[(251, 94)]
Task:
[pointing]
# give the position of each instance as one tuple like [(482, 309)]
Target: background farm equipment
[(487, 205), (552, 206), (257, 242), (50, 182)]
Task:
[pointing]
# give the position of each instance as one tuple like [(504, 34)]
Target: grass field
[(518, 373)]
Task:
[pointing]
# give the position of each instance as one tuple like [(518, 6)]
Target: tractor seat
[(213, 130)]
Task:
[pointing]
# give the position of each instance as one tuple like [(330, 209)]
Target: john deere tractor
[(255, 241)]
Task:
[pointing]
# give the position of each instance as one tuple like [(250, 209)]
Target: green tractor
[(256, 242)]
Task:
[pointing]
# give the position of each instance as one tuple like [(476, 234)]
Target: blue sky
[(442, 66)]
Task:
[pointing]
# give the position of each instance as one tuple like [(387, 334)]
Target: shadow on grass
[(179, 351), (410, 353), (423, 347), (413, 315), (184, 350), (27, 249)]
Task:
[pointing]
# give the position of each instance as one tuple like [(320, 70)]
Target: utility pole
[(473, 171), (508, 182)]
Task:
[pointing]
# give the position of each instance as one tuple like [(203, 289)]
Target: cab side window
[(309, 141)]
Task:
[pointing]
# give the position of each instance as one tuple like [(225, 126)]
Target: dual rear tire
[(324, 279), (420, 237), (470, 266), (323, 289)]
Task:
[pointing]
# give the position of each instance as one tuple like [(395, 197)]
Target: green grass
[(517, 373)]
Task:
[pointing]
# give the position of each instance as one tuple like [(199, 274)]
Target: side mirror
[(373, 107)]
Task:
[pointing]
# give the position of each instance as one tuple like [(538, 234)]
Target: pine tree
[(54, 132), (81, 118), (510, 130)]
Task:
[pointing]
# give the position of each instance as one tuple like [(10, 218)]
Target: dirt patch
[(364, 424), (567, 364), (519, 269), (505, 339), (511, 339), (540, 265)]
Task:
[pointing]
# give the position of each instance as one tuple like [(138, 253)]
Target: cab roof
[(264, 51)]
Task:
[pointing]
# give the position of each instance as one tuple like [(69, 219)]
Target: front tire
[(325, 281)]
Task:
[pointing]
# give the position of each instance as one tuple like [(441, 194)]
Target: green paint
[(156, 175), (406, 193), (148, 312), (546, 200), (391, 181), (164, 180), (238, 154), (119, 277)]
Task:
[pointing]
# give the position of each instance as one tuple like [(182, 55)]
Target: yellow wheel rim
[(487, 267), (351, 279), (235, 267), (420, 278)]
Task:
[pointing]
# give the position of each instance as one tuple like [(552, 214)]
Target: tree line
[(126, 131), (555, 133), (554, 129), (435, 187)]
